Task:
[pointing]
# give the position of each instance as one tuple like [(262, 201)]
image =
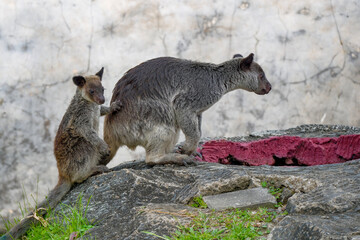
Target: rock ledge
[(322, 201)]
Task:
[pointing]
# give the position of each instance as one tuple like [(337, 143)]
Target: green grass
[(59, 226), (229, 224), (198, 202), (276, 192)]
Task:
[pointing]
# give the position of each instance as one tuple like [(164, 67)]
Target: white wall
[(308, 49)]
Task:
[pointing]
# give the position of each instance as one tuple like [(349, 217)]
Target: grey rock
[(120, 197), (329, 226), (323, 201), (285, 195), (243, 199)]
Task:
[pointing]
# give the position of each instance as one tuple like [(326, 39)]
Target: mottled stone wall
[(309, 50)]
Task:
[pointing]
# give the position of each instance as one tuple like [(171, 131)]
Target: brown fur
[(78, 149)]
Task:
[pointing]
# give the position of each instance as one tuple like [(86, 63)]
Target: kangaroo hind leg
[(190, 125), (159, 146)]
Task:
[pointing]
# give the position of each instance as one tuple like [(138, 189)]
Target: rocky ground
[(323, 201)]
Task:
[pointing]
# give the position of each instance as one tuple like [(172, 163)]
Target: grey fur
[(161, 96), (237, 55)]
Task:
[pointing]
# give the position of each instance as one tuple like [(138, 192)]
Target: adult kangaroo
[(159, 97)]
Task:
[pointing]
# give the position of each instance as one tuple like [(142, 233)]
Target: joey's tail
[(51, 201)]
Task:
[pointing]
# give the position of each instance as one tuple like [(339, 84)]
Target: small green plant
[(229, 224), (71, 220), (198, 202), (276, 192)]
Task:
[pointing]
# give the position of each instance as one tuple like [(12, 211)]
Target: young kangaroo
[(161, 96), (78, 149)]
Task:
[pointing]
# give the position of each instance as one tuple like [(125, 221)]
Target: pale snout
[(99, 99), (264, 88)]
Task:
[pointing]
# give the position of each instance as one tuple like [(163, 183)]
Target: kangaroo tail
[(51, 201), (111, 137)]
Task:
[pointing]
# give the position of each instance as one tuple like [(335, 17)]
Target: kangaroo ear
[(79, 81), (100, 73), (246, 62), (237, 55)]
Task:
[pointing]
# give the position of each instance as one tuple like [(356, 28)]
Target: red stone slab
[(283, 150)]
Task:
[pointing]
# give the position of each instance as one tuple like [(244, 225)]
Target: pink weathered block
[(284, 150)]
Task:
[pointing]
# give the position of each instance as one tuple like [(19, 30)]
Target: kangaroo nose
[(268, 87), (101, 100)]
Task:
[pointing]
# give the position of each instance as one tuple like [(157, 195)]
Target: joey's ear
[(246, 62), (79, 81), (100, 73), (237, 55)]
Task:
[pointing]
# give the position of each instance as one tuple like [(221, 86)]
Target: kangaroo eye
[(91, 91), (261, 76)]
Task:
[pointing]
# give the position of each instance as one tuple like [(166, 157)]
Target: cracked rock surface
[(322, 201)]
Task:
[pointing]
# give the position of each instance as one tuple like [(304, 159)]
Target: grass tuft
[(229, 224), (276, 192), (198, 202), (56, 226), (70, 221)]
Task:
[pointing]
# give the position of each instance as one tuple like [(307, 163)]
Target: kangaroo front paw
[(104, 156), (116, 106), (184, 150), (105, 153), (104, 150)]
